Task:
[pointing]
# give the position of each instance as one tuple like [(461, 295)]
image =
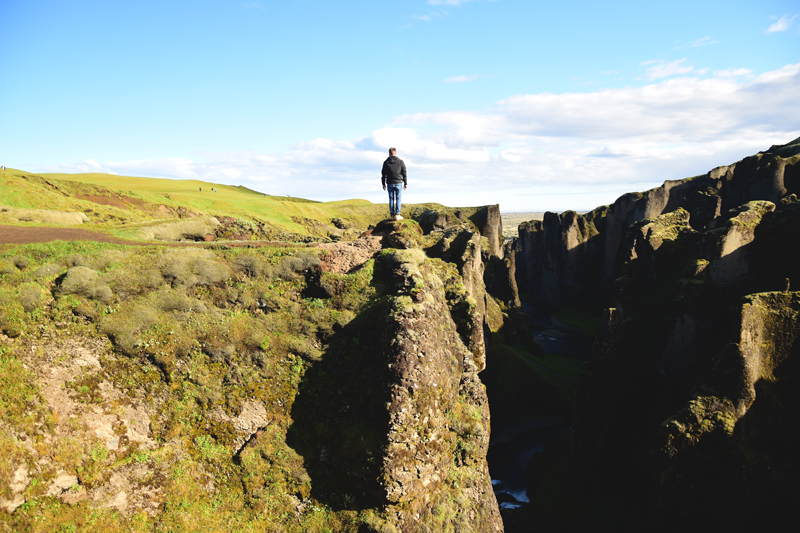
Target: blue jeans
[(395, 190)]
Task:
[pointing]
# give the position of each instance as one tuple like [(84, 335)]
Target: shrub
[(176, 300), (124, 326), (12, 315), (20, 261), (108, 257), (7, 267), (47, 271), (74, 260), (290, 267), (135, 279), (195, 229), (86, 282), (189, 267), (30, 296), (251, 265)]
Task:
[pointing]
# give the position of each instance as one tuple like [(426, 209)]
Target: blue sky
[(535, 106)]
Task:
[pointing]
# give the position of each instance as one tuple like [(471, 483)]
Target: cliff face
[(685, 410), (568, 252), (292, 388), (434, 469)]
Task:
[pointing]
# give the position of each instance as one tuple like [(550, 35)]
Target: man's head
[(392, 151)]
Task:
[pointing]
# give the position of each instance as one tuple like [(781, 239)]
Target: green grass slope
[(124, 203)]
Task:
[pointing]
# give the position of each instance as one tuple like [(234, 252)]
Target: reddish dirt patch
[(23, 235), (123, 202)]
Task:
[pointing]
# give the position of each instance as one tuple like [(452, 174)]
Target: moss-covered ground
[(197, 337)]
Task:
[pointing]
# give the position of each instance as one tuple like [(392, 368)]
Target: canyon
[(349, 373)]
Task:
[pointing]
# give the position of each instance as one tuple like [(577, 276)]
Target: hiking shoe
[(398, 217)]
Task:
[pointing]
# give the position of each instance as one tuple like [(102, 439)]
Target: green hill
[(122, 205)]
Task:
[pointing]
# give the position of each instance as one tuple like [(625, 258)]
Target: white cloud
[(528, 152), (447, 2), (662, 69), (82, 167), (733, 72), (703, 41), (782, 25), (461, 79), (253, 5)]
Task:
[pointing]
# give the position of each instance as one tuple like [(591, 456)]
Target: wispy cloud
[(703, 41), (447, 2), (529, 152), (733, 72), (461, 79), (253, 5), (430, 16), (783, 24), (661, 69)]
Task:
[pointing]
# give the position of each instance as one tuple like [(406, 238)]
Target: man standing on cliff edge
[(393, 174)]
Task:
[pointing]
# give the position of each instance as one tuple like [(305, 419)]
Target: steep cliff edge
[(684, 412), (570, 254), (288, 388)]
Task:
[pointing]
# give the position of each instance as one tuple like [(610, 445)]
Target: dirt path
[(26, 235)]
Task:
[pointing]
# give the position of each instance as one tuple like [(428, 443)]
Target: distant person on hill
[(393, 174)]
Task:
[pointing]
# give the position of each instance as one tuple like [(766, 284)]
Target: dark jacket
[(393, 171)]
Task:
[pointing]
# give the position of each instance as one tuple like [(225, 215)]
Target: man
[(393, 174)]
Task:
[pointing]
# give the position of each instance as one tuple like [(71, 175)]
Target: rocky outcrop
[(500, 275), (561, 258), (729, 242), (462, 247), (559, 254), (439, 414), (490, 225), (726, 457), (678, 411)]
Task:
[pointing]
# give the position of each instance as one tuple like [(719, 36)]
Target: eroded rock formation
[(434, 465), (563, 254), (680, 412)]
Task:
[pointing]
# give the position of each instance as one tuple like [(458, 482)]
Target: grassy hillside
[(123, 203)]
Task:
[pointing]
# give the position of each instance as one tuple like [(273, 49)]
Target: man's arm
[(383, 176), (404, 174)]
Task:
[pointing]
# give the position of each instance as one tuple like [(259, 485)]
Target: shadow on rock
[(340, 416)]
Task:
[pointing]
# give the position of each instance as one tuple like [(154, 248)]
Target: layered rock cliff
[(570, 252), (685, 415)]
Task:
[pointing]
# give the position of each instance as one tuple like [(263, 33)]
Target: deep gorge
[(355, 384)]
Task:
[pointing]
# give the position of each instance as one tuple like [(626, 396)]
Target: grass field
[(124, 203)]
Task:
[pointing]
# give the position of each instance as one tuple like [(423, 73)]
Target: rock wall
[(434, 469), (564, 253), (679, 413)]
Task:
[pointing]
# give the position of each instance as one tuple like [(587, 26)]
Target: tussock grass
[(86, 282), (193, 230), (11, 215), (30, 296), (188, 267), (12, 313)]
